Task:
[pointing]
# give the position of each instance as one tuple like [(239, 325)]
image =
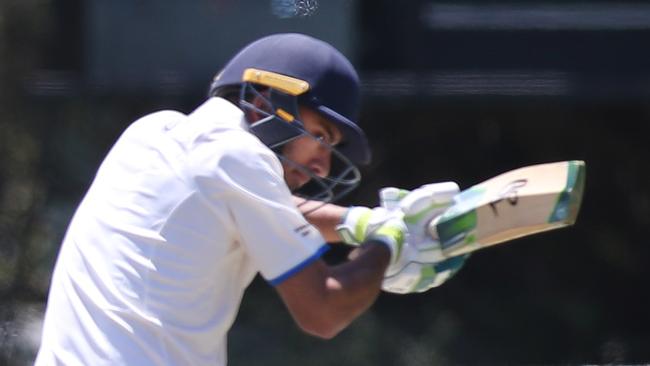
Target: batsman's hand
[(359, 221), (401, 222), (405, 272), (416, 277), (423, 266)]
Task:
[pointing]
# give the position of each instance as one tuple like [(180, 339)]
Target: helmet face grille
[(343, 178), (276, 123), (275, 130)]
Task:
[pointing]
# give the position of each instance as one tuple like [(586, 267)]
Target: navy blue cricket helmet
[(302, 70)]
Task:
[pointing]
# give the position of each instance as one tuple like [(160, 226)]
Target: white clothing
[(182, 214)]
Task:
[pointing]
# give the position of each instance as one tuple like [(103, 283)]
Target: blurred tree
[(24, 30)]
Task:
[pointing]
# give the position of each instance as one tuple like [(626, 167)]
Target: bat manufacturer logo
[(508, 194)]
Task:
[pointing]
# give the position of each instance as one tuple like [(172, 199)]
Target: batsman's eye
[(322, 138), (325, 137)]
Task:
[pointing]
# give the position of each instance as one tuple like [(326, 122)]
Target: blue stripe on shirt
[(278, 280)]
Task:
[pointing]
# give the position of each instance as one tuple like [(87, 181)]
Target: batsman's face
[(309, 152)]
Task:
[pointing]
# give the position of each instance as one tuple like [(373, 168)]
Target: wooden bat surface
[(517, 203)]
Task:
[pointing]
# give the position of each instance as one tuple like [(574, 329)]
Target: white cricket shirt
[(182, 214)]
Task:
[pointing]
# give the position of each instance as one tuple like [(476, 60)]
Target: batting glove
[(419, 277), (359, 221), (425, 266), (394, 234), (401, 222), (405, 273)]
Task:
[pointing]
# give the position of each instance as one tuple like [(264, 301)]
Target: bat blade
[(517, 203)]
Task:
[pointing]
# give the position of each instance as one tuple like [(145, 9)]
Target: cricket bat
[(517, 203)]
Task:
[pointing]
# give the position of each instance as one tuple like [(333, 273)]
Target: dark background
[(451, 91)]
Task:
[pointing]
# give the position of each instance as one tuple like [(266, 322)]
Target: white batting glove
[(416, 277), (421, 206), (417, 263), (394, 234), (359, 221), (405, 272), (424, 266)]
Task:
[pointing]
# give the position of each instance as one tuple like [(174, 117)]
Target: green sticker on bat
[(569, 200), (458, 223)]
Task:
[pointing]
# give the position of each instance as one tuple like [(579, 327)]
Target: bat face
[(517, 203)]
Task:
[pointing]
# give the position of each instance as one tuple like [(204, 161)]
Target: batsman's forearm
[(353, 287), (325, 299), (325, 217)]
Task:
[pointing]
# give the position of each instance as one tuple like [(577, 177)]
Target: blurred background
[(451, 91)]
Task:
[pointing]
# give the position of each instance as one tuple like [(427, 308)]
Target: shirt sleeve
[(273, 232)]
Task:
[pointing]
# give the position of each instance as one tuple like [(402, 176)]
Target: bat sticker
[(508, 193)]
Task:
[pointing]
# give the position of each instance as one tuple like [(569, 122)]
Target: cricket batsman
[(185, 210)]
